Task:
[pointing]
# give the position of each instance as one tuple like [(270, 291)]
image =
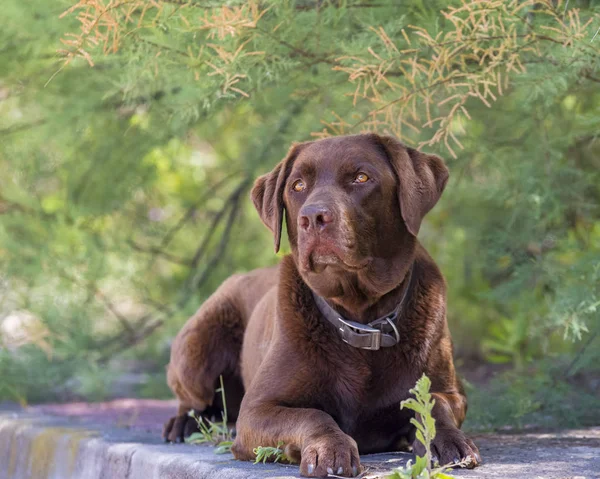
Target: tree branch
[(154, 251), (102, 297), (191, 210), (149, 323), (17, 128)]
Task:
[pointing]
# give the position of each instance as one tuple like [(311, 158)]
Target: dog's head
[(353, 205)]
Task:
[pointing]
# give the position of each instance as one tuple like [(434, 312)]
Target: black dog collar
[(381, 333)]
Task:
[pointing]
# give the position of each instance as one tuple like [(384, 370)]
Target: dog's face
[(353, 206)]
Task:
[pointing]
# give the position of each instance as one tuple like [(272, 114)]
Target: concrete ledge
[(53, 448), (35, 444), (50, 447)]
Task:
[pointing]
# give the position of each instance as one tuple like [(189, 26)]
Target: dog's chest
[(366, 390)]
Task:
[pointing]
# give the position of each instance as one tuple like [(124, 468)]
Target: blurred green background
[(131, 132)]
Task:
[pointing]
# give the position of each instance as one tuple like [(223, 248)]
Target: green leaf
[(420, 466), (223, 447), (421, 438), (196, 438)]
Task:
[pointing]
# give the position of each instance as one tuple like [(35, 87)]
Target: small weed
[(223, 447), (216, 433), (422, 468), (263, 453)]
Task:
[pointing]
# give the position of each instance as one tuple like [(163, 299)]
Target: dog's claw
[(311, 468)]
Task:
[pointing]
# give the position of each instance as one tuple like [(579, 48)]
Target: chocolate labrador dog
[(318, 352)]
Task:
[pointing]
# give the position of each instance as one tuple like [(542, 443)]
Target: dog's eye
[(299, 186), (361, 178)]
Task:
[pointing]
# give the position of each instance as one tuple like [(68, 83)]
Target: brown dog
[(328, 343)]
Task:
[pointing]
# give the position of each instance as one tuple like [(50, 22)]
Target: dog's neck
[(370, 293), (359, 301)]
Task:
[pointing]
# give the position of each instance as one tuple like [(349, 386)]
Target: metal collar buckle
[(364, 330), (391, 321), (381, 333)]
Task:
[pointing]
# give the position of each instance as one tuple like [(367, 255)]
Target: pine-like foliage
[(131, 132)]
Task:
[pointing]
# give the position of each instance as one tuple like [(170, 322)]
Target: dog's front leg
[(451, 445), (308, 435)]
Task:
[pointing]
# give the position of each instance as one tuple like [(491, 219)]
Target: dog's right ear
[(421, 180), (267, 194)]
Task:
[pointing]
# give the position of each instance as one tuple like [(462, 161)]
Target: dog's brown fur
[(353, 243)]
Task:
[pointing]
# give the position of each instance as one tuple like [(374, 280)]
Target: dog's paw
[(178, 428), (336, 455), (451, 446)]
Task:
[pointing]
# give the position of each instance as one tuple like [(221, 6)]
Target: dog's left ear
[(421, 180), (267, 194)]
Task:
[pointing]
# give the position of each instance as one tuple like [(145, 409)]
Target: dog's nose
[(315, 217)]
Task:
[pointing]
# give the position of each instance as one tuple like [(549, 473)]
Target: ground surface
[(121, 439)]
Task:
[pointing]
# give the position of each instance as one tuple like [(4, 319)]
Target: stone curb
[(42, 446), (52, 448), (47, 447)]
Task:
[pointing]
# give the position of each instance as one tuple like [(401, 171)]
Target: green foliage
[(271, 454), (423, 467), (210, 432), (123, 186), (420, 470), (542, 397)]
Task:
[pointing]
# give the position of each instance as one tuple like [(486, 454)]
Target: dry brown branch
[(404, 86), (427, 82), (104, 24)]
